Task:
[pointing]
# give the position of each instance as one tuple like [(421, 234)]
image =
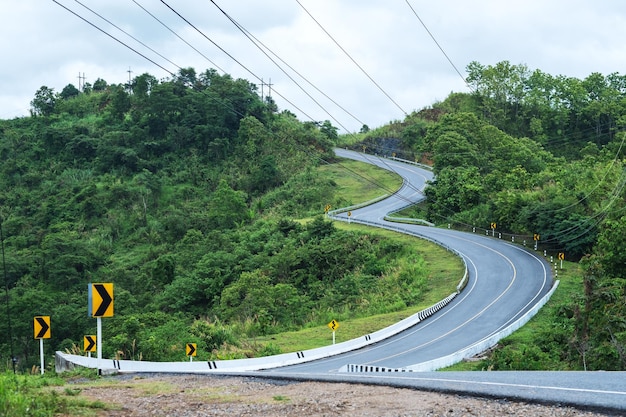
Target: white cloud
[(42, 44)]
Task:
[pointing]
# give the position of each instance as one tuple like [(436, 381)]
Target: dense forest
[(186, 193), (538, 155)]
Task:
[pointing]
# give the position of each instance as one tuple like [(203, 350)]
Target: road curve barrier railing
[(65, 361), (462, 354)]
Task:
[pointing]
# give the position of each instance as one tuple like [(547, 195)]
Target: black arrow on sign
[(191, 349), (106, 300), (92, 343), (44, 327)]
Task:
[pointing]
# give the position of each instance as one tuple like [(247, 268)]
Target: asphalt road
[(505, 281)]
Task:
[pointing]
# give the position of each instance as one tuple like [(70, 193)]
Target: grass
[(445, 273), (358, 182), (37, 396)]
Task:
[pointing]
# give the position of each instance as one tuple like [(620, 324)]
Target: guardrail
[(462, 354), (66, 361)]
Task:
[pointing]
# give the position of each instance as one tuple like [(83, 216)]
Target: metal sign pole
[(99, 339), (41, 354)]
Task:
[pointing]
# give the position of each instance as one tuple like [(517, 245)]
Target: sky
[(375, 59)]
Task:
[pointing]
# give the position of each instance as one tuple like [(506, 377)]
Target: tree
[(99, 85), (119, 104), (227, 208), (329, 131), (69, 91), (44, 102)]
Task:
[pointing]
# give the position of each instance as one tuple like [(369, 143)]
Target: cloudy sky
[(378, 63)]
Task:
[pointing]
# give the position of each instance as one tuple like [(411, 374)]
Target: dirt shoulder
[(200, 395)]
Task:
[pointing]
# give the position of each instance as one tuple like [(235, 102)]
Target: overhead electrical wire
[(231, 56), (599, 216), (370, 180), (438, 45), (257, 42), (352, 59), (240, 28), (114, 38), (127, 34), (179, 37)]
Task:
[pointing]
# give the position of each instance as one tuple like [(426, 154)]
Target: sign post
[(561, 258), (536, 239), (493, 229), (100, 303), (41, 326), (333, 325)]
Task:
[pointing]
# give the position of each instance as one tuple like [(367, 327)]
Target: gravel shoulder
[(201, 395)]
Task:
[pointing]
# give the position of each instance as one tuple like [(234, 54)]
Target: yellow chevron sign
[(101, 300), (42, 327), (89, 343), (191, 349)]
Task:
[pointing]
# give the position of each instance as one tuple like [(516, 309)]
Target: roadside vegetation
[(43, 396), (204, 205)]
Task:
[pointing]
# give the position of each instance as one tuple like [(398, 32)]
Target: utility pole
[(128, 86), (263, 84), (270, 88), (81, 81)]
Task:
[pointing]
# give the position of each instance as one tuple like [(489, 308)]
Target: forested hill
[(539, 156), (173, 190), (184, 193)]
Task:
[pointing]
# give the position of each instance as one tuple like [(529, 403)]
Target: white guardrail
[(457, 357), (66, 361)]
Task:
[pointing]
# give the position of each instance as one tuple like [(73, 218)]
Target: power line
[(6, 289), (231, 57), (126, 33), (379, 185), (352, 59), (245, 32), (114, 38), (179, 37), (257, 42), (438, 45)]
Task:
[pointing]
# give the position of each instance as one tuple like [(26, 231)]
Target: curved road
[(504, 283)]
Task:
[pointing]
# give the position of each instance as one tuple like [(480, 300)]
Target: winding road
[(504, 286), (505, 282)]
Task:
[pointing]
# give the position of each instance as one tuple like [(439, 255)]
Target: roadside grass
[(445, 272), (358, 182), (42, 396)]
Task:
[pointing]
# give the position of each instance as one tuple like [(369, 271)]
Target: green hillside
[(204, 206), (539, 156), (187, 195)]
